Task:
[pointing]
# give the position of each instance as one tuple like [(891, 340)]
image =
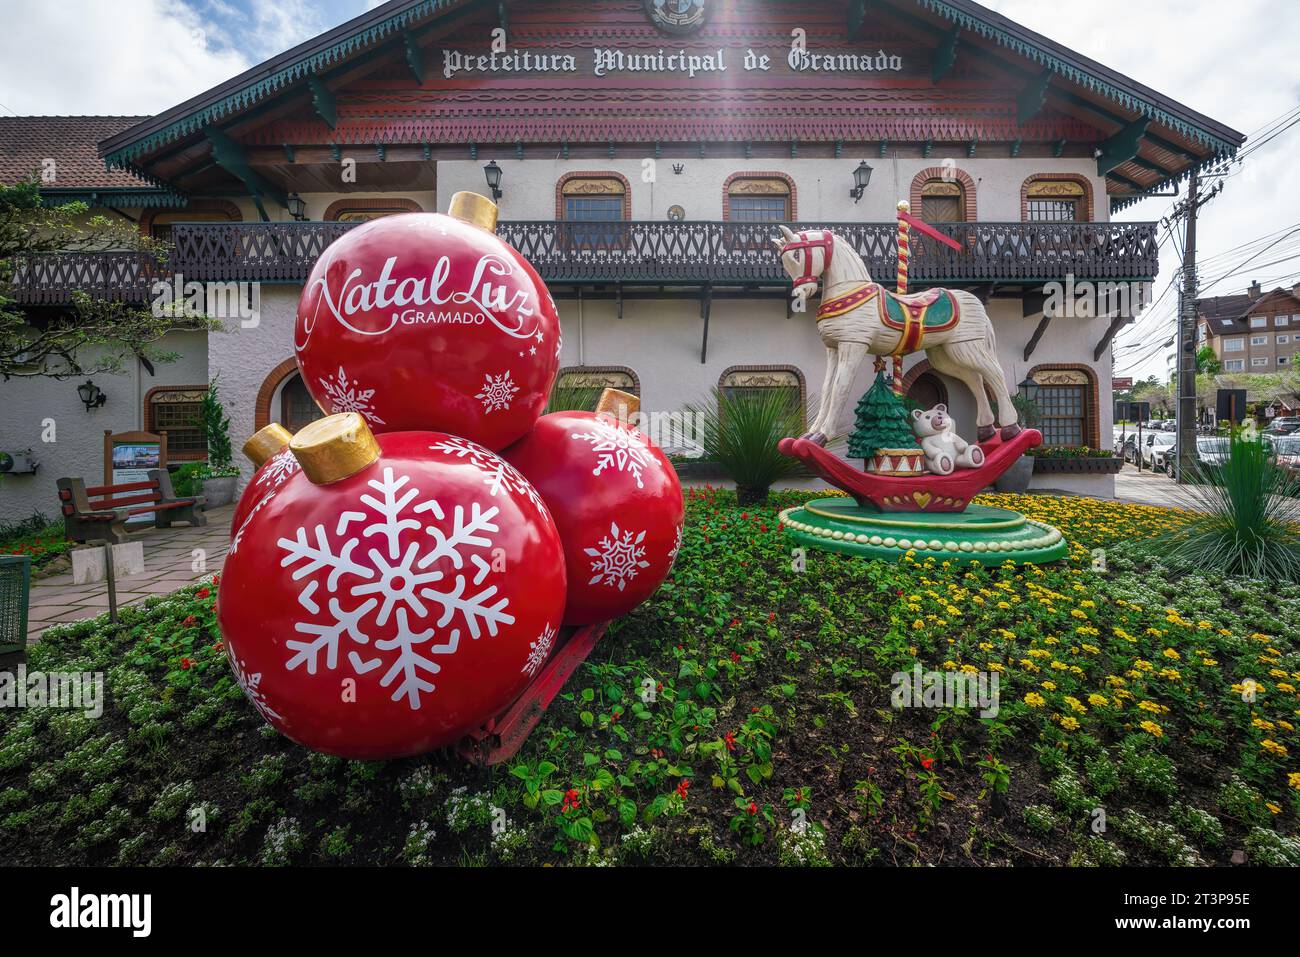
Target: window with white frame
[(1234, 345), (1234, 365), (1283, 360), (1259, 322), (1259, 361), (1279, 320), (1259, 340), (1283, 340)]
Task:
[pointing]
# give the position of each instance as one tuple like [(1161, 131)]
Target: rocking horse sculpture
[(858, 316)]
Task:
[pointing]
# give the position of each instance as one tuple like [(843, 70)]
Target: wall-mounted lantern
[(91, 395), (297, 206), (493, 173), (861, 180)]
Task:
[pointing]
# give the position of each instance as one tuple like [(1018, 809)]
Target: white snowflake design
[(396, 588), (252, 687), (618, 446), (677, 547), (279, 469), (239, 535), (497, 391), (540, 649), (346, 396), (618, 557), (498, 474)]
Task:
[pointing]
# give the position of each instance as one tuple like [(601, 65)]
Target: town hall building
[(641, 153)]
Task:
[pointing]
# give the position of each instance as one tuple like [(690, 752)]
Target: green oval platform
[(989, 536)]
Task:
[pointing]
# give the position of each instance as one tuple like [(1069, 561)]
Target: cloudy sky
[(1234, 61)]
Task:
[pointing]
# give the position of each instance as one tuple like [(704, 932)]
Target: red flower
[(203, 592), (735, 658), (771, 616), (730, 740), (682, 787), (927, 762), (753, 808), (216, 579), (763, 527), (780, 527), (735, 622), (570, 801), (219, 646), (189, 620), (186, 664), (744, 515)]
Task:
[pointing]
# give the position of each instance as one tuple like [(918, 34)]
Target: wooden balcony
[(649, 253)]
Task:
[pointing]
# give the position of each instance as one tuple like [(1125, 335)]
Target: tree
[(216, 428), (882, 421), (1207, 362), (93, 335)]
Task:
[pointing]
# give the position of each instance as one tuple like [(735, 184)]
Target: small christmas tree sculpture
[(882, 435)]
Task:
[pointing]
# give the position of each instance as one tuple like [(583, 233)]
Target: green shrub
[(740, 430)]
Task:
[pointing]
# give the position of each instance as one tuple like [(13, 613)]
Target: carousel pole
[(904, 253)]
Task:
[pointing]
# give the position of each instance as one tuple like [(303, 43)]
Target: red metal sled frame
[(933, 493), (500, 738)]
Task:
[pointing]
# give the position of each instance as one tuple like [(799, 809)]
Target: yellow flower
[(1272, 807), (1293, 780), (1172, 655), (1153, 729), (1070, 724), (1097, 700), (1049, 685), (1272, 747), (1035, 700)]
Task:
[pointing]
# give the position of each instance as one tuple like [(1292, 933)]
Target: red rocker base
[(499, 739), (913, 493)]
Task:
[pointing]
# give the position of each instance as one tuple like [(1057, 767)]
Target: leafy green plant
[(740, 430), (573, 398), (1246, 516), (216, 430)]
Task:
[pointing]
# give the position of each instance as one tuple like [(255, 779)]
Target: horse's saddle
[(912, 315)]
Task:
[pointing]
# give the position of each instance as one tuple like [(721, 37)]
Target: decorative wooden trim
[(1078, 178), (798, 374), (593, 174), (947, 175), (273, 380), (1091, 417), (792, 203), (232, 212), (597, 370), (339, 206), (148, 420)]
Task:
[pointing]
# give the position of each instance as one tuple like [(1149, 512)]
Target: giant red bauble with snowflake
[(389, 612), (425, 321), (617, 502)]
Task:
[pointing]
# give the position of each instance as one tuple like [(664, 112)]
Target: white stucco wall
[(78, 446)]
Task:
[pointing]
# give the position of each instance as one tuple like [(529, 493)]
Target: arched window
[(297, 407), (593, 198), (1055, 201), (364, 210), (928, 390), (1067, 405), (174, 409), (758, 199), (579, 387), (740, 381), (158, 224)]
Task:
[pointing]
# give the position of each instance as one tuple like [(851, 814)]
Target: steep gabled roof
[(28, 142)]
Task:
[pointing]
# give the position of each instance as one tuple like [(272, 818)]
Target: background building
[(644, 151)]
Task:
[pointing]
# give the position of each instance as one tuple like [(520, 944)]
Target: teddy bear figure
[(944, 449)]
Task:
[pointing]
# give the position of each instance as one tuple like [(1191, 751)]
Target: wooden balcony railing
[(629, 252)]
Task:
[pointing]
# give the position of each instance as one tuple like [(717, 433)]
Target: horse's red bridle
[(806, 241)]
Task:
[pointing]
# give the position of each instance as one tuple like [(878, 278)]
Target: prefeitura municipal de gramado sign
[(677, 16)]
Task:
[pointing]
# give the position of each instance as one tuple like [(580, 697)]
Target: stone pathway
[(168, 563)]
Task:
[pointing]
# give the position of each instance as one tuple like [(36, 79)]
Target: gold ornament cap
[(266, 442), (474, 209), (621, 405), (904, 206), (335, 447)]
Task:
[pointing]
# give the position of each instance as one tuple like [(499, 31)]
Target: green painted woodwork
[(322, 101), (1033, 97), (1121, 147), (945, 56), (981, 534)]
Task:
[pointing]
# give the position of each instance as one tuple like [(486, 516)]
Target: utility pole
[(1186, 409)]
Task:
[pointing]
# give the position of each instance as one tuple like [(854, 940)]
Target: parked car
[(1212, 449), (1155, 444), (1127, 449), (1287, 449), (1283, 425)]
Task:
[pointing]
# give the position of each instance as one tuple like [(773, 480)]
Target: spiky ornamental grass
[(1247, 516), (573, 398), (740, 431)]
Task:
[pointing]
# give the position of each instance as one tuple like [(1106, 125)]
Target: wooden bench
[(100, 513)]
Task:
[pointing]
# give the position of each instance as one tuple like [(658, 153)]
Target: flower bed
[(742, 715)]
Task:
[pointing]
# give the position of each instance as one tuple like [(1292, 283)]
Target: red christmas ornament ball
[(425, 321), (389, 612), (617, 503), (269, 448)]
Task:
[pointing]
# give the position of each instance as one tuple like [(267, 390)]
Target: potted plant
[(739, 431), (216, 481), (1016, 479), (1075, 460)]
